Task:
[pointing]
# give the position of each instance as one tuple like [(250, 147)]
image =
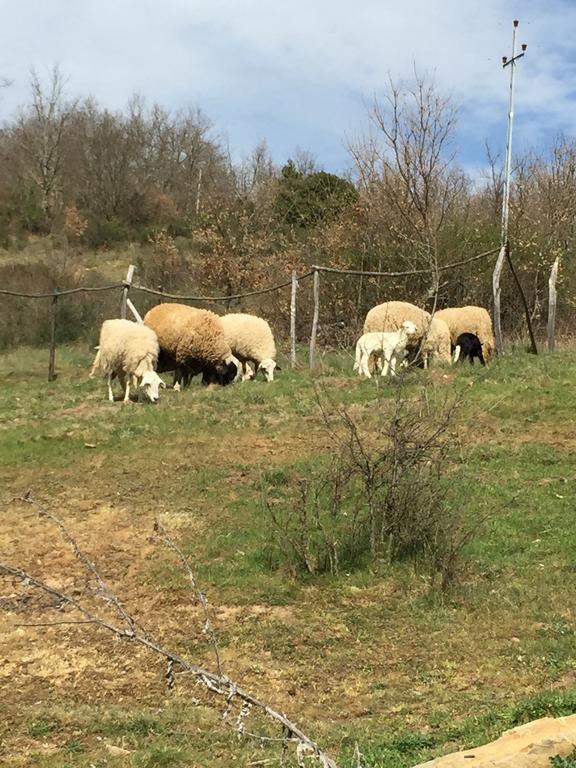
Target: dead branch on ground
[(215, 683)]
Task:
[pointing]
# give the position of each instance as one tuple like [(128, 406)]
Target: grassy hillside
[(369, 656)]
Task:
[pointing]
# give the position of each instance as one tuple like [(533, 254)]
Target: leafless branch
[(55, 623), (217, 684), (103, 590), (208, 628)]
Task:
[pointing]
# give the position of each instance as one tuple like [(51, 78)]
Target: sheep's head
[(151, 384), (409, 328), (268, 366), (223, 373)]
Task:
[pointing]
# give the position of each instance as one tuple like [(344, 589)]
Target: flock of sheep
[(397, 330), (190, 341)]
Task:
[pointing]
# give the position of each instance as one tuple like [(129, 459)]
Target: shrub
[(382, 495)]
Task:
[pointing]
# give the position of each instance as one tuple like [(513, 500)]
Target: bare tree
[(256, 169), (408, 162), (40, 133)]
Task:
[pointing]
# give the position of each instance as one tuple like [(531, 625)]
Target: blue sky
[(302, 73)]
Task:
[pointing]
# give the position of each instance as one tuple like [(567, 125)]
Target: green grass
[(369, 656)]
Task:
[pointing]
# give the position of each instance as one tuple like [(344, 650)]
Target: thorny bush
[(381, 494)]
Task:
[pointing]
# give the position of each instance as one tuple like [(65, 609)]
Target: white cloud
[(298, 72)]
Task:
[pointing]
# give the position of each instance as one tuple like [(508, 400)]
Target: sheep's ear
[(277, 367)]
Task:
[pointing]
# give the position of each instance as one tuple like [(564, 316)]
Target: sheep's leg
[(364, 369), (425, 361), (385, 366), (357, 359), (393, 365), (110, 393), (125, 383), (95, 366), (135, 385)]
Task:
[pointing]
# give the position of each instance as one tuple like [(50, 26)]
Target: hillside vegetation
[(82, 186), (375, 654)]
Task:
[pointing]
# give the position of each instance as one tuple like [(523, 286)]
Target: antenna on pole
[(511, 62), (504, 241)]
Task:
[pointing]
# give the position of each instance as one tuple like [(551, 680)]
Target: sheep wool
[(251, 340), (188, 335), (470, 319), (125, 348), (128, 351), (390, 315), (436, 344)]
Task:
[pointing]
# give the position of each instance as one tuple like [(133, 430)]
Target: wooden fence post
[(132, 308), (533, 346), (316, 293), (293, 319), (496, 296), (127, 284), (52, 358), (552, 296)]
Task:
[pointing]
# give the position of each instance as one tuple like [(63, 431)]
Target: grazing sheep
[(191, 342), (252, 342), (436, 345), (391, 345), (470, 319), (128, 351), (390, 315), (468, 346)]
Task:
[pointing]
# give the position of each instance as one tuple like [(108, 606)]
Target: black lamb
[(468, 346)]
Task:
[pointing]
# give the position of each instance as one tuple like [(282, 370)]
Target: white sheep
[(436, 343), (252, 342), (470, 319), (390, 315), (128, 351), (390, 345)]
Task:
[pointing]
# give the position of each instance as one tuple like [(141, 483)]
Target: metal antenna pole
[(505, 243), (508, 164)]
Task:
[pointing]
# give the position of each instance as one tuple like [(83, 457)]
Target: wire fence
[(314, 272)]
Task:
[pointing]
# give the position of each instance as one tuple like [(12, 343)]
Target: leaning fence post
[(293, 319), (132, 308), (496, 295), (316, 294), (127, 284), (533, 346), (552, 296), (52, 358)]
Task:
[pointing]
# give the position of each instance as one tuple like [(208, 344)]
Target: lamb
[(128, 351), (252, 342), (470, 319), (191, 341), (391, 345), (390, 315), (468, 346)]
